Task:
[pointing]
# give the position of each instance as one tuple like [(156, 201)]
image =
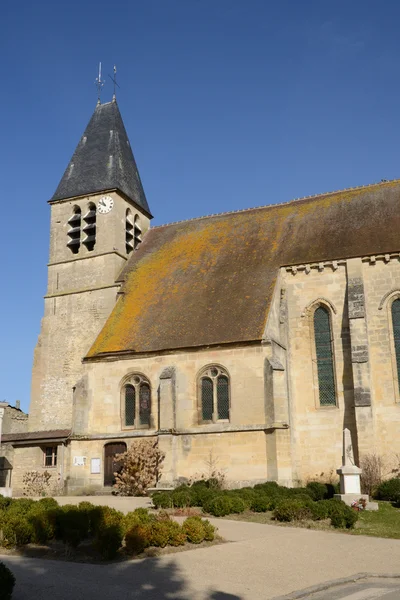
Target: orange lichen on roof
[(210, 280)]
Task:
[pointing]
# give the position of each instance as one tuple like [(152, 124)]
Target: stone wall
[(14, 420)]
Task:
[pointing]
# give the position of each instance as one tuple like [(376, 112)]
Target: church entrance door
[(110, 464)]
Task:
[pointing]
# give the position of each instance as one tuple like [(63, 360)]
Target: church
[(248, 339)]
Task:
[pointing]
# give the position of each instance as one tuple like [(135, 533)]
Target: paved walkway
[(261, 561)]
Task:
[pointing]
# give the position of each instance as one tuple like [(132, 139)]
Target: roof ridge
[(293, 201)]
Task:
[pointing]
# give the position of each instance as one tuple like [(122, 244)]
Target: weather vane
[(99, 84), (114, 80)]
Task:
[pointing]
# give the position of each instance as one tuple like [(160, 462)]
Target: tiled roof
[(36, 435), (210, 280), (103, 160)]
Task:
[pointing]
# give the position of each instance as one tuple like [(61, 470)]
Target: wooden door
[(110, 464)]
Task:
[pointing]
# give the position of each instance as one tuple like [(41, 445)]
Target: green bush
[(160, 533), (247, 495), (162, 500), (209, 530), (317, 491), (269, 488), (21, 506), (177, 536), (7, 582), (43, 523), (218, 506), (17, 531), (322, 509), (109, 540), (138, 538), (238, 505), (182, 498), (194, 530), (342, 516), (140, 516), (47, 503), (72, 525), (262, 503), (388, 490), (4, 502), (292, 510)]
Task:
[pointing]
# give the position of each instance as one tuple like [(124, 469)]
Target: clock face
[(105, 204)]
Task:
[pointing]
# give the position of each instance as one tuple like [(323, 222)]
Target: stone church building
[(252, 337)]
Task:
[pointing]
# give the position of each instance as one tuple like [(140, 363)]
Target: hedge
[(7, 582), (39, 522)]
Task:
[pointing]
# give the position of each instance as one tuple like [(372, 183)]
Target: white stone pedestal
[(349, 479), (6, 492)]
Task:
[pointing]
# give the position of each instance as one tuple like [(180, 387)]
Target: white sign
[(95, 465), (79, 461)]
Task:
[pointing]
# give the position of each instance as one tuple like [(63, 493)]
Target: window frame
[(392, 347), (204, 373), (54, 454), (314, 358), (130, 380)]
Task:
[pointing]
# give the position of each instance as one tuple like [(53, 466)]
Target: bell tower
[(99, 215)]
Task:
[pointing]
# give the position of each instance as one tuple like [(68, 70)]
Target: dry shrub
[(36, 483), (374, 470), (140, 468)]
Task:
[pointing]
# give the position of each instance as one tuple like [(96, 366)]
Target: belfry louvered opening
[(74, 233), (214, 395), (137, 232), (136, 398), (324, 357), (129, 231), (89, 228), (396, 334)]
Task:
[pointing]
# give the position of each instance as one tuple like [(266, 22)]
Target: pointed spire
[(103, 160)]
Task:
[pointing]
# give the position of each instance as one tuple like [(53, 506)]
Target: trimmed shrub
[(43, 523), (4, 502), (194, 529), (247, 495), (17, 531), (138, 538), (182, 498), (321, 510), (292, 510), (7, 582), (262, 503), (317, 490), (270, 488), (109, 540), (209, 530), (48, 503), (21, 506), (177, 536), (72, 525), (237, 504), (160, 533), (140, 516), (388, 490), (162, 500), (218, 506), (343, 517)]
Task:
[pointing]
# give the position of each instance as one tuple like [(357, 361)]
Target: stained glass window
[(396, 333), (214, 394), (323, 350), (130, 400)]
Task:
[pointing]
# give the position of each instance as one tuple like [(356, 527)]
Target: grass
[(384, 523)]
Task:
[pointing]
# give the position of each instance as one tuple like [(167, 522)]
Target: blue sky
[(228, 104)]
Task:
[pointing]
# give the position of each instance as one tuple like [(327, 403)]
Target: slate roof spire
[(103, 160)]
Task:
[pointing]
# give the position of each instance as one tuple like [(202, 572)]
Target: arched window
[(137, 232), (89, 228), (324, 357), (214, 396), (396, 333), (74, 233), (136, 402), (128, 232)]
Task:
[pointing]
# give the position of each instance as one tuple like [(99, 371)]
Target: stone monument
[(350, 488)]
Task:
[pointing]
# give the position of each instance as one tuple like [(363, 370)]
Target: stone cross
[(348, 454)]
